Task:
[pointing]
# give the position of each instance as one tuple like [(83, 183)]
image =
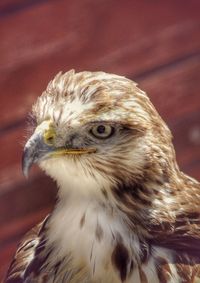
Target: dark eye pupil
[(101, 129)]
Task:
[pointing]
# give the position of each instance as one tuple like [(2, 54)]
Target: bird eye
[(102, 131)]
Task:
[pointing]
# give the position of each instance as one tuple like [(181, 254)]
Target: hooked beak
[(34, 151), (41, 145)]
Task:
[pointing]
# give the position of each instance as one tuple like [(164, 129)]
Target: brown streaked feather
[(25, 254), (182, 233), (187, 270)]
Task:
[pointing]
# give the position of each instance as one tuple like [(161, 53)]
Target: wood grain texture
[(175, 89), (155, 43)]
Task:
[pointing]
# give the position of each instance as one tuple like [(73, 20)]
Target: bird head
[(101, 126)]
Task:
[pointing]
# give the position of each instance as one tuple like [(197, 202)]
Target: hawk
[(125, 212)]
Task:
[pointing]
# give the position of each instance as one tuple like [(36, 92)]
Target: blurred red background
[(153, 42)]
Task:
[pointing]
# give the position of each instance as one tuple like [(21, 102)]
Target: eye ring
[(102, 131)]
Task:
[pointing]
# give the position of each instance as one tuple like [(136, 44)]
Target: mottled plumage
[(125, 212)]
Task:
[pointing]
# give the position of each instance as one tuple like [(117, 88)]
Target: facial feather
[(74, 100), (139, 152)]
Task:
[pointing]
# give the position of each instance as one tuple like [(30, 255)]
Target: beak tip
[(26, 163), (35, 149), (25, 172)]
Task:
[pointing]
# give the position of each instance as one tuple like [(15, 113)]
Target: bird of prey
[(125, 212)]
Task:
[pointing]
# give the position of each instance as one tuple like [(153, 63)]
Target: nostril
[(49, 137)]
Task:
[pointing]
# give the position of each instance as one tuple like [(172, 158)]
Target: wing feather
[(25, 254)]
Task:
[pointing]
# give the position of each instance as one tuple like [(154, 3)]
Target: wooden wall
[(154, 42)]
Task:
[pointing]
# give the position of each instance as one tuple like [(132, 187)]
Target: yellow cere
[(49, 135), (48, 131)]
